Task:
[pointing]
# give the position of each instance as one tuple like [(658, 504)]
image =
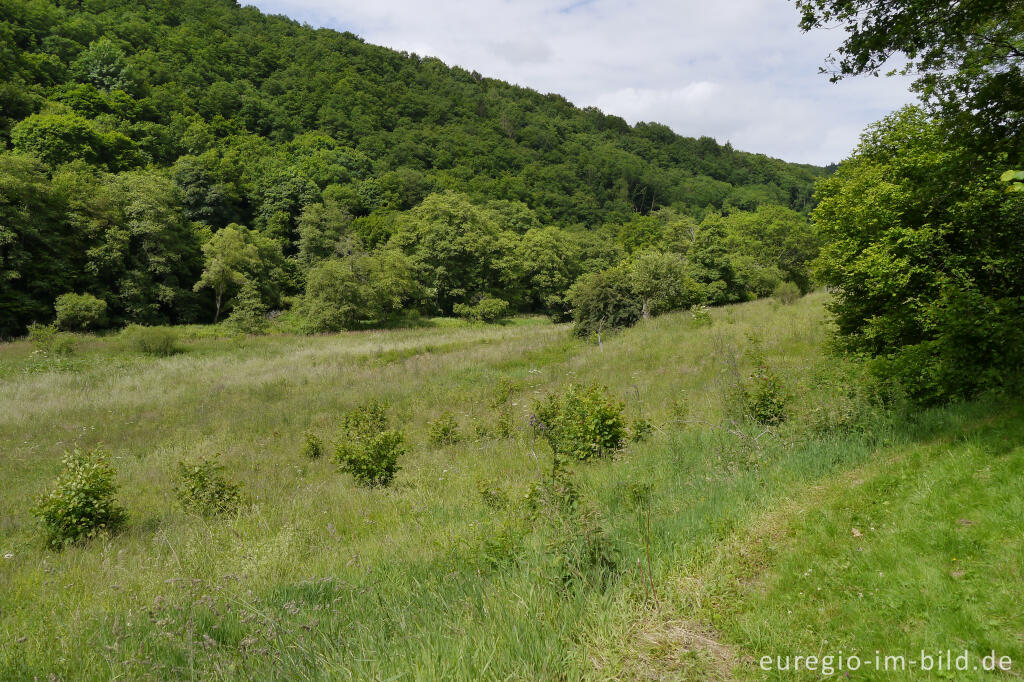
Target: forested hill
[(132, 126)]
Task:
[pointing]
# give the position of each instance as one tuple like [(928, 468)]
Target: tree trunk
[(216, 313), (646, 310)]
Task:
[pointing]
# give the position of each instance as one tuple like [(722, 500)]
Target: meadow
[(856, 525)]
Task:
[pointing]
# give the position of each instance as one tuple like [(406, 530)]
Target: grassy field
[(849, 527)]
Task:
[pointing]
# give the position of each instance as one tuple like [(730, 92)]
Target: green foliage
[(967, 58), (202, 488), (356, 290), (444, 430), (80, 312), (158, 341), (487, 309), (248, 312), (581, 423), (640, 430), (491, 495), (1015, 178), (313, 446), (766, 399), (49, 341), (603, 301), (81, 504), (786, 293), (368, 449), (139, 152), (925, 261)]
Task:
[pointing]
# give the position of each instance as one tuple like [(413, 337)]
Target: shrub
[(158, 341), (786, 293), (575, 546), (444, 430), (603, 301), (766, 402), (48, 341), (202, 488), (487, 309), (640, 430), (582, 423), (313, 448), (368, 449), (249, 313), (79, 312), (81, 504)]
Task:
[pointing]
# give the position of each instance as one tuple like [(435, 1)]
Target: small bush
[(313, 448), (249, 313), (487, 309), (786, 293), (581, 423), (505, 426), (80, 312), (158, 341), (81, 504), (48, 341), (766, 402), (701, 316), (202, 488), (444, 430), (640, 430), (368, 449)]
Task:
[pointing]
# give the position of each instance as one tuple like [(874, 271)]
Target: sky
[(737, 70)]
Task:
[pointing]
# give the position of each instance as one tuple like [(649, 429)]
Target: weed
[(313, 447), (640, 430), (701, 316), (444, 430)]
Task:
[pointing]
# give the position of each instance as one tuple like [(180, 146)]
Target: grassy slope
[(319, 579)]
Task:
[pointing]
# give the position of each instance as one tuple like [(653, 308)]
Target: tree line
[(138, 132)]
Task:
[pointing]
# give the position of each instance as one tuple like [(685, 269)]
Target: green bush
[(202, 488), (444, 430), (81, 504), (582, 423), (487, 309), (603, 301), (159, 341), (48, 341), (786, 293), (766, 402), (80, 312), (313, 448), (368, 449), (640, 430), (248, 313)]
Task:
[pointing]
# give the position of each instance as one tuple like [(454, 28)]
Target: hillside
[(139, 129), (688, 555)]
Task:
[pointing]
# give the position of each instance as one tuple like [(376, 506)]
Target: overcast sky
[(737, 70)]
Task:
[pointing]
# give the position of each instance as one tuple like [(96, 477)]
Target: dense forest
[(162, 162)]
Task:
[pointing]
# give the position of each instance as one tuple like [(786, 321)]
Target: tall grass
[(317, 578)]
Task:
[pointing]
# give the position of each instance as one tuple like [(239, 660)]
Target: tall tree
[(968, 56)]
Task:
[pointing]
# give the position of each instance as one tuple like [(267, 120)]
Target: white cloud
[(737, 70)]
